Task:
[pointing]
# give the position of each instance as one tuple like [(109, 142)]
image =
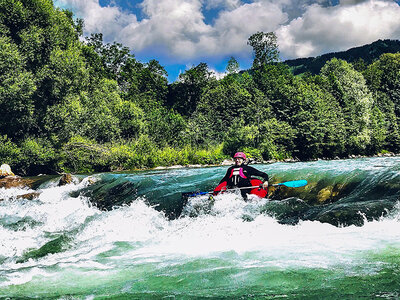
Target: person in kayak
[(240, 175)]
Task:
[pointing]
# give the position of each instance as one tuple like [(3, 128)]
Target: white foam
[(230, 229)]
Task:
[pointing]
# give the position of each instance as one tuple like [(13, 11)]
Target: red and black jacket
[(240, 176)]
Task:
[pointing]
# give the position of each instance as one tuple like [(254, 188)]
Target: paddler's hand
[(265, 185)]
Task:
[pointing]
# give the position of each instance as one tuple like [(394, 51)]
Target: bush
[(253, 153), (237, 138), (37, 156), (81, 155), (122, 157), (9, 152)]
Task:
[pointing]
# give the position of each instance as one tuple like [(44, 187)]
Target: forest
[(70, 103)]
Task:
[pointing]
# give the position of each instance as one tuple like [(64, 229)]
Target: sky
[(181, 34)]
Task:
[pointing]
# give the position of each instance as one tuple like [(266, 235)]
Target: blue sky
[(182, 33)]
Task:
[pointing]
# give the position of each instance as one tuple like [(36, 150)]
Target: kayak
[(260, 192)]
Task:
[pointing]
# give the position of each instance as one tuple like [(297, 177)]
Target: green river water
[(128, 236)]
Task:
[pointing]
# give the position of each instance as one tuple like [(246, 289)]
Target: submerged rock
[(324, 194), (57, 245), (287, 211), (107, 195)]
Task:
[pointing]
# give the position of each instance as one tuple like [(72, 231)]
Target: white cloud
[(326, 29), (107, 20), (177, 25), (233, 28), (177, 28)]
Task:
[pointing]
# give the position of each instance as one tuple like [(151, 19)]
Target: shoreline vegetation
[(229, 162), (225, 162), (71, 104)]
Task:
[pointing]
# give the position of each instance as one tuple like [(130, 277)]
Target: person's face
[(238, 161)]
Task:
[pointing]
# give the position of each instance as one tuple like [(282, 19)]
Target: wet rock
[(227, 162), (29, 196), (65, 179), (5, 170), (331, 193), (15, 182), (91, 180)]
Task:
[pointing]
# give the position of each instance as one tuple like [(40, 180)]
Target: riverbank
[(228, 162), (165, 159)]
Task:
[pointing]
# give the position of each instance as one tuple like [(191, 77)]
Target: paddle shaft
[(295, 183), (192, 194)]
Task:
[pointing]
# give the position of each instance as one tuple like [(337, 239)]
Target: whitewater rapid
[(131, 248)]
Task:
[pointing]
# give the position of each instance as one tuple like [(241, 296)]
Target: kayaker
[(240, 175)]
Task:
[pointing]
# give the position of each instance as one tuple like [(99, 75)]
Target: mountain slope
[(368, 53)]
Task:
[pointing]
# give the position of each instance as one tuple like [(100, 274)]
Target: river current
[(130, 236)]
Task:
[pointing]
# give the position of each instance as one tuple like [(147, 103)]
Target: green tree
[(318, 121), (265, 48), (92, 115), (110, 58), (65, 73), (278, 85), (145, 81), (383, 80), (185, 94), (131, 119), (9, 151), (100, 122), (359, 65), (37, 156), (219, 108), (349, 87), (233, 66), (277, 139), (16, 89)]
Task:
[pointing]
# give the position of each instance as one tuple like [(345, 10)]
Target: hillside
[(368, 53)]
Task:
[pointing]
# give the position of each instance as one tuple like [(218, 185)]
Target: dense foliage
[(81, 105)]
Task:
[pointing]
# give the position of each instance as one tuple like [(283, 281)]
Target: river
[(336, 238)]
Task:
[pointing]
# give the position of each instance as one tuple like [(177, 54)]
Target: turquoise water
[(128, 236)]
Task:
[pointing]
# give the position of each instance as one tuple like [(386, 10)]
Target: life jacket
[(236, 175)]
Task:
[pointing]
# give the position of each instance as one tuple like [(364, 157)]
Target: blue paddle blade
[(194, 194), (294, 184)]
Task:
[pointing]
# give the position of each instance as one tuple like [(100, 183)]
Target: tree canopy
[(74, 104)]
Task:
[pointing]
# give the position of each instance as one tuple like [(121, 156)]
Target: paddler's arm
[(258, 173)]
